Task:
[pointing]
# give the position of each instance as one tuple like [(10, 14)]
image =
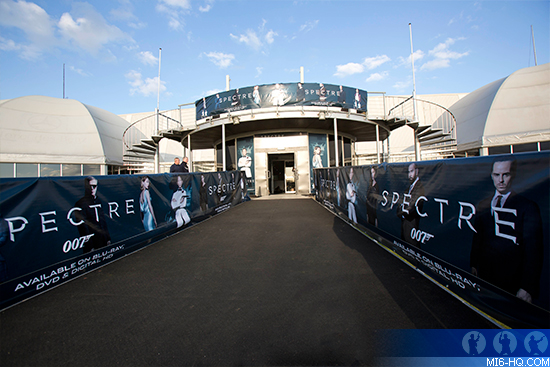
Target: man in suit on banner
[(91, 219), (410, 209), (507, 247)]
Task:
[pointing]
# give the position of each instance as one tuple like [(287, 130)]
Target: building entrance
[(281, 173)]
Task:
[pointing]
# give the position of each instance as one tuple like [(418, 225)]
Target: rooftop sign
[(281, 94)]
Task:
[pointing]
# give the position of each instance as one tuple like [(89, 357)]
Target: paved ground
[(270, 282)]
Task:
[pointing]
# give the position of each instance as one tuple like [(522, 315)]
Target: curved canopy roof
[(39, 129), (512, 110)]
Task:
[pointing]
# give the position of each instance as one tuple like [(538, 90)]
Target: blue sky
[(111, 48)]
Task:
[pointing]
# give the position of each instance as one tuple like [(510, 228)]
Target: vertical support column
[(328, 150), (190, 153), (377, 144), (157, 153), (417, 156), (223, 147), (383, 152), (337, 164)]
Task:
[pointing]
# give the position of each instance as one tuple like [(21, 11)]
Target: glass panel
[(289, 177), (219, 158), (332, 161), (230, 155), (91, 169), (71, 170), (544, 145), (528, 147), (347, 152), (505, 149), (49, 170), (6, 170), (26, 170)]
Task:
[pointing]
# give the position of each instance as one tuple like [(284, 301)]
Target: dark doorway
[(281, 173)]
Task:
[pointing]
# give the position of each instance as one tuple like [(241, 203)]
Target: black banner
[(281, 94), (54, 229), (479, 226)]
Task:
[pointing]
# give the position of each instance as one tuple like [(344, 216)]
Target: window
[(528, 147), (505, 149), (230, 161), (71, 170), (91, 169), (6, 170), (26, 170), (49, 170)]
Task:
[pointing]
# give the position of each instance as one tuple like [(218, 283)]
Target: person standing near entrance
[(176, 167), (184, 167)]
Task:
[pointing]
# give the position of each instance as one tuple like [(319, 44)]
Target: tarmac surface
[(267, 283)]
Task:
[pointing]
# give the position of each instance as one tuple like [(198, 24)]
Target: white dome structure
[(46, 130), (511, 111)]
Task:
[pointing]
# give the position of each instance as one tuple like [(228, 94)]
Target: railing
[(146, 127), (403, 108)]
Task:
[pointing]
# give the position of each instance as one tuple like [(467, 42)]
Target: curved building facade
[(46, 136), (509, 115)]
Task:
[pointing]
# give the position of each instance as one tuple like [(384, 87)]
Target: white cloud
[(125, 12), (308, 26), (83, 27), (175, 23), (270, 36), (442, 55), (377, 76), (355, 68), (34, 22), (250, 39), (374, 62), (79, 71), (461, 18), (406, 61), (8, 45), (220, 59), (183, 4), (259, 71), (89, 30), (349, 69), (147, 87), (175, 11), (436, 64), (254, 39), (207, 7), (148, 58), (27, 52)]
